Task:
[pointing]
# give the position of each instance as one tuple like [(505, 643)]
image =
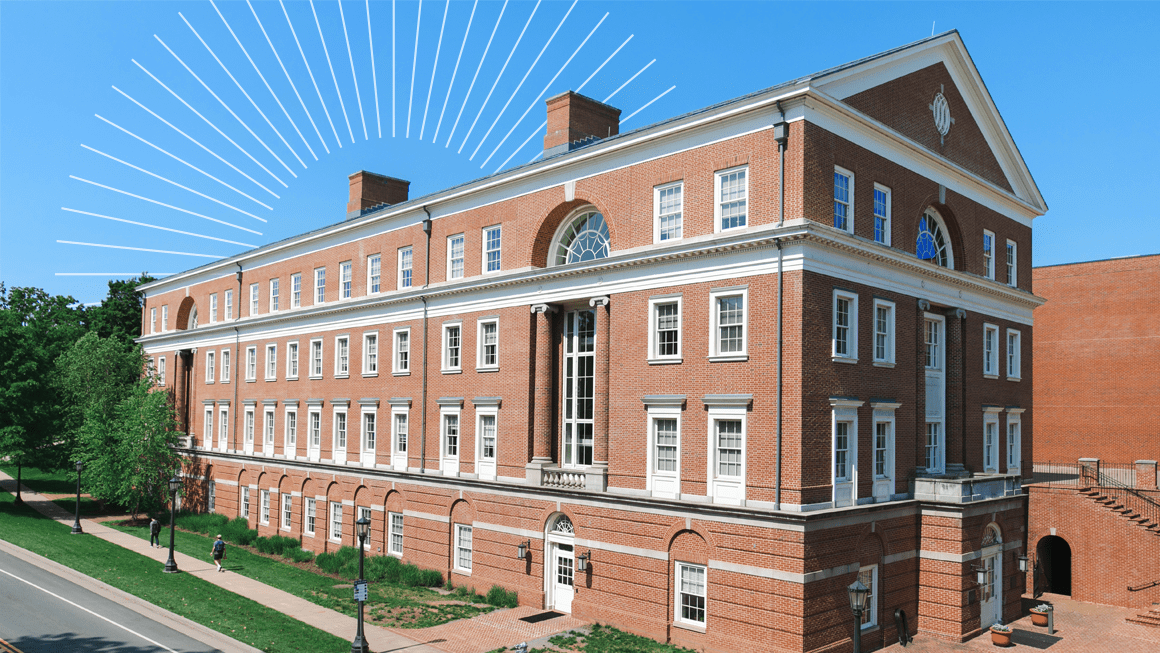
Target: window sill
[(844, 359), (990, 376), (368, 375), (1016, 379), (251, 380), (666, 361), (740, 358), (407, 373), (209, 382), (268, 379), (696, 628), (291, 378), (491, 368), (315, 377), (306, 534), (459, 371), (461, 572), (884, 364), (342, 376), (869, 628)]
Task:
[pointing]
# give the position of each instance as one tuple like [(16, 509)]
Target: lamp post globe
[(76, 529), (174, 484), (363, 530), (858, 594)]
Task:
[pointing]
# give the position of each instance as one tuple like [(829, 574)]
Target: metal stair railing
[(1130, 497)]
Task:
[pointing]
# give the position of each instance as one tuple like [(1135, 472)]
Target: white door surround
[(560, 565)]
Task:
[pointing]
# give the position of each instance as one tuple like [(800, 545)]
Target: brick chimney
[(575, 120), (368, 190)]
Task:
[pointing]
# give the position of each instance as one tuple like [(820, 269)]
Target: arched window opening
[(582, 238), (992, 536), (193, 318), (562, 525), (932, 243)]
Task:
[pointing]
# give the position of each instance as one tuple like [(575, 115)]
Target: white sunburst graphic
[(204, 151)]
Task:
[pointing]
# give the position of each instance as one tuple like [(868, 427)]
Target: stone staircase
[(1149, 618), (1124, 504)]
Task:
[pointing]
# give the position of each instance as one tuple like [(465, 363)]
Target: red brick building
[(733, 361)]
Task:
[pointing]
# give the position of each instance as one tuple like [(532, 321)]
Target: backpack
[(219, 546)]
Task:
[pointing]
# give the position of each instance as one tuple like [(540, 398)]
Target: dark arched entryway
[(1053, 566)]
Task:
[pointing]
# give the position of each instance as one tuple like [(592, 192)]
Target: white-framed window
[(731, 205), (664, 329), (727, 453), (989, 254), (405, 260), (845, 326), (254, 290), (290, 438), (296, 290), (153, 320), (729, 324), (211, 497), (345, 273), (990, 351), (245, 508), (264, 515), (339, 433), (213, 308), (691, 594), (160, 370), (274, 305), (1014, 355), (883, 332), (843, 199), (843, 464), (225, 357), (395, 533), (292, 360), (310, 512), (271, 362), (370, 362), (374, 273), (664, 449), (869, 577), (486, 425), (883, 448), (230, 305), (487, 344), (335, 521), (164, 318), (668, 212), (463, 548), (931, 344), (287, 510), (451, 435), (320, 285), (209, 366), (991, 438), (209, 425), (1012, 270), (1014, 440), (452, 347), (341, 356), (455, 256), (933, 446), (881, 214), (364, 512), (314, 426), (251, 363), (248, 430), (401, 361), (223, 427), (492, 248), (316, 359), (845, 468), (399, 430), (369, 432), (268, 430)]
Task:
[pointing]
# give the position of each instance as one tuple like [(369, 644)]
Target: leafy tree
[(119, 315)]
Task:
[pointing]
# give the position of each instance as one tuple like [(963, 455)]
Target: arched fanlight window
[(992, 535), (193, 318), (932, 243), (562, 525), (583, 238)]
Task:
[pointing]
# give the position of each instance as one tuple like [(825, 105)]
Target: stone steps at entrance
[(1114, 505)]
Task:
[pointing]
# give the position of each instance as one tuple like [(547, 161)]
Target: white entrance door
[(563, 564), (991, 600)]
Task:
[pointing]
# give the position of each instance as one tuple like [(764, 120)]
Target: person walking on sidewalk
[(219, 553), (155, 534)]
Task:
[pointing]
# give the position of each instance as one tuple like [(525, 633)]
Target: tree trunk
[(19, 499)]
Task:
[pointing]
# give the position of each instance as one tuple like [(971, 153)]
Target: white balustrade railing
[(564, 478)]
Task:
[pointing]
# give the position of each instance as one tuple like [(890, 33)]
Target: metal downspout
[(781, 134), (426, 282), (234, 362)]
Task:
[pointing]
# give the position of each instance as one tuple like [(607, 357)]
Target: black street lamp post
[(174, 483), (77, 523), (859, 593), (359, 645)]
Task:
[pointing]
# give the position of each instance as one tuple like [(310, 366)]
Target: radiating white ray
[(605, 100), (454, 71), (137, 249), (538, 154), (226, 106), (411, 98), (522, 80), (168, 181), (334, 77), (601, 66), (497, 77), (153, 226), (393, 68), (292, 85), (252, 103), (536, 101), (374, 76), (647, 104), (168, 206), (311, 73), (183, 161), (357, 96), (207, 121), (263, 78), (111, 274), (195, 142), (434, 67)]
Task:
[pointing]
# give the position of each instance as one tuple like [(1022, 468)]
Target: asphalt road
[(44, 613)]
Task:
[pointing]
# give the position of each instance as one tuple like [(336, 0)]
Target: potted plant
[(1000, 634), (1039, 614)]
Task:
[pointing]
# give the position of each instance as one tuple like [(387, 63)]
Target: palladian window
[(583, 238), (932, 243)]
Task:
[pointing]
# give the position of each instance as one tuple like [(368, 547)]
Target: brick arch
[(394, 501), (871, 550), (183, 311), (462, 511), (676, 529), (690, 546), (551, 224), (363, 496), (954, 234), (548, 515)]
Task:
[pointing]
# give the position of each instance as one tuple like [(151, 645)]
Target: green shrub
[(297, 554), (275, 544), (328, 562), (238, 531), (501, 598), (205, 523)]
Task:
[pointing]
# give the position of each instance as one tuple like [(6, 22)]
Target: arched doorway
[(559, 559), (1053, 566)]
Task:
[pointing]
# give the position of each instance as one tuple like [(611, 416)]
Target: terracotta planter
[(1038, 618), (1000, 639)]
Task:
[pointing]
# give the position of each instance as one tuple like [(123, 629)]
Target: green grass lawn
[(184, 594), (58, 482), (602, 639), (387, 604)]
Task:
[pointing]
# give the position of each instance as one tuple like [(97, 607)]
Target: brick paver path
[(1079, 628)]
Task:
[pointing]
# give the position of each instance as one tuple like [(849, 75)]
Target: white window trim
[(873, 622), (310, 359), (395, 368), (255, 299), (989, 268), (991, 359), (208, 424), (359, 513), (459, 528), (286, 509), (479, 364), (991, 416), (484, 250), (251, 354), (366, 354), (845, 411), (345, 269), (850, 214), (399, 267), (318, 272), (224, 361), (657, 190), (720, 487), (338, 454), (229, 305), (448, 464), (213, 308), (153, 320), (272, 358), (296, 298), (1014, 418), (851, 355), (1014, 282), (210, 358), (446, 367), (884, 414), (313, 451), (366, 453), (249, 420), (450, 261), (669, 482), (678, 619), (334, 508), (223, 427), (391, 533), (889, 211), (339, 373), (275, 297), (269, 416), (244, 502), (717, 175), (1017, 373), (161, 370), (264, 507), (654, 357), (165, 318), (714, 343), (290, 440), (297, 353), (888, 361), (399, 458), (480, 413), (309, 505), (370, 283)]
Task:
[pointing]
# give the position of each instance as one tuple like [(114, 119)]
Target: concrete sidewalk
[(322, 618)]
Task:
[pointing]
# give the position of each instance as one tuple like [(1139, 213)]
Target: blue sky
[(1074, 82)]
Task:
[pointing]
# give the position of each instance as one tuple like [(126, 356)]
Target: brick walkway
[(1079, 628)]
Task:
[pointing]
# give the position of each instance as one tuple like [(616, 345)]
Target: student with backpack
[(155, 533), (219, 553)]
